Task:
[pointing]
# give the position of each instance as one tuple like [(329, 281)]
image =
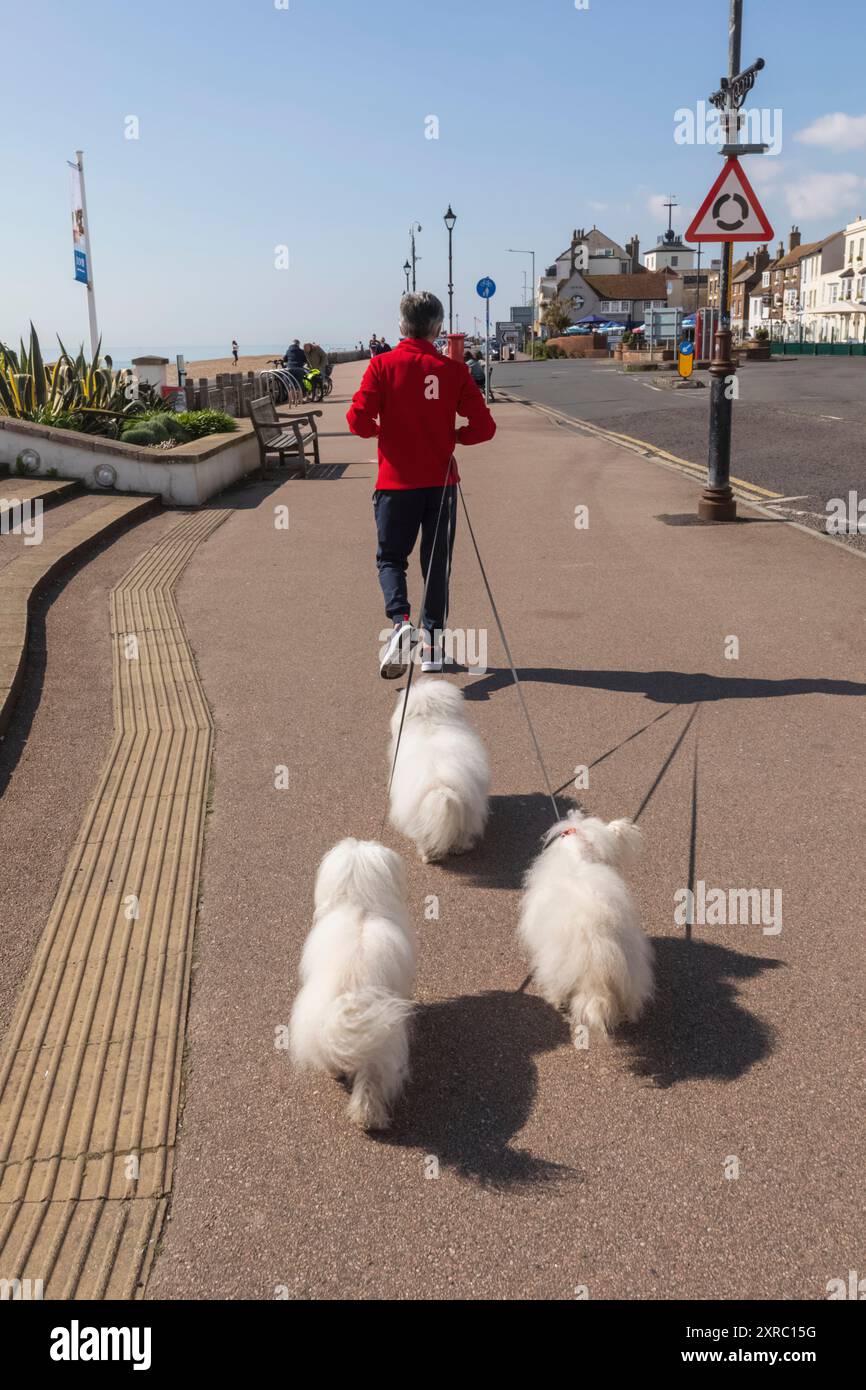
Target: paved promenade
[(715, 1149), (556, 1169)]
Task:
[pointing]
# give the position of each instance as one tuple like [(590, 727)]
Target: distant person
[(295, 361), (374, 345), (476, 369), (417, 434), (480, 371), (235, 350)]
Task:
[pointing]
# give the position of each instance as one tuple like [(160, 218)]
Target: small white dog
[(579, 923), (351, 1017), (442, 777)]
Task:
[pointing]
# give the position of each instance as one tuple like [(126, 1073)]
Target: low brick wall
[(581, 344), (355, 356)]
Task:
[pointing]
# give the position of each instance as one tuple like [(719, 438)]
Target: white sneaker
[(396, 656), (432, 658)]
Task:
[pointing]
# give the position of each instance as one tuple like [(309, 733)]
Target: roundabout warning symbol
[(730, 211)]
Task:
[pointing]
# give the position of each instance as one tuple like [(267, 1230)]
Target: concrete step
[(48, 491), (24, 578)]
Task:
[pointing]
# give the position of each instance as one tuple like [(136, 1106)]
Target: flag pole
[(91, 299)]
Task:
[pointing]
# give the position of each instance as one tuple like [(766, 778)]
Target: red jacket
[(409, 398)]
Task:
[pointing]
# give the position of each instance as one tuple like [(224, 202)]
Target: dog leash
[(445, 486), (503, 638), (516, 678)]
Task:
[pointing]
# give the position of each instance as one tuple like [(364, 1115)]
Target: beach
[(210, 366)]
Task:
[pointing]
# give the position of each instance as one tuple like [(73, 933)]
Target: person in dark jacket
[(409, 399), (295, 360)]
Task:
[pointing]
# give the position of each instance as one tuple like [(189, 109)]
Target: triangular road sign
[(730, 211)]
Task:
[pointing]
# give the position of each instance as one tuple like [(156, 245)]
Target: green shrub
[(197, 423), (155, 426), (137, 434)]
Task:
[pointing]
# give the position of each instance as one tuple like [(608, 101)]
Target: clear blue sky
[(304, 126)]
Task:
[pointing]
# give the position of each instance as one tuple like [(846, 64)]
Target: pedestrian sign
[(730, 211), (486, 288)]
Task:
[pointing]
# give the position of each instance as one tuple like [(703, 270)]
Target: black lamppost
[(407, 271), (717, 501), (450, 219)]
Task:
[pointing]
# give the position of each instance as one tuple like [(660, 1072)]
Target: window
[(675, 260), (765, 279)]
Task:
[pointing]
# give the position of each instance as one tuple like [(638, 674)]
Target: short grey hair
[(421, 315)]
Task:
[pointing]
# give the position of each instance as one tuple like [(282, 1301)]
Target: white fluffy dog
[(441, 780), (351, 1017), (579, 923)]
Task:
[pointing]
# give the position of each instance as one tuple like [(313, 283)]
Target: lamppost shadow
[(666, 687)]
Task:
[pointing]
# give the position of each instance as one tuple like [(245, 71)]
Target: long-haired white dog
[(351, 1017), (442, 778), (579, 923)]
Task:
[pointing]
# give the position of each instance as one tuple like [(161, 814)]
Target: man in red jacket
[(409, 399)]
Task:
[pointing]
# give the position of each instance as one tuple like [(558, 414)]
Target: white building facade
[(833, 287)]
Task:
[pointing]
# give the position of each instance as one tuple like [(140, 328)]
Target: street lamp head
[(450, 218), (407, 267)]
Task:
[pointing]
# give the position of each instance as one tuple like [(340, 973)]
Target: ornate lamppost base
[(717, 504)]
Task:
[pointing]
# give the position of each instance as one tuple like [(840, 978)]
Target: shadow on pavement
[(511, 841), (610, 751), (696, 1029), (659, 777), (474, 1084), (667, 687)]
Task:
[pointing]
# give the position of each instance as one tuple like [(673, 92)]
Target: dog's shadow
[(473, 1086), (510, 842), (696, 1029)]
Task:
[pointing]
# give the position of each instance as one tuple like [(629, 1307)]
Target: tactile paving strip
[(90, 1071)]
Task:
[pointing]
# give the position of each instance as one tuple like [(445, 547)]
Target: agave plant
[(28, 390), (82, 395)]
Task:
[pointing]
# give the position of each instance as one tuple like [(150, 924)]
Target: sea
[(122, 356)]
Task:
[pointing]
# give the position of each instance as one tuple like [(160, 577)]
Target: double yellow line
[(641, 446)]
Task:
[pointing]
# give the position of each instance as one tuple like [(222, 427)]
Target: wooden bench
[(286, 436)]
